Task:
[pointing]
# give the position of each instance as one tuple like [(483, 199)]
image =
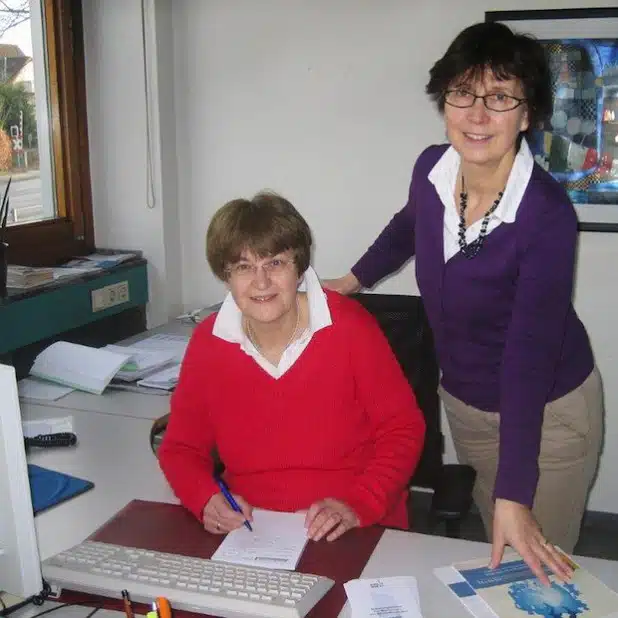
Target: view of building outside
[(19, 137)]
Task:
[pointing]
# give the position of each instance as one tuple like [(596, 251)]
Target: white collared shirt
[(443, 176), (228, 326)]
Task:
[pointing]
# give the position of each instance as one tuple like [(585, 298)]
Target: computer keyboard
[(193, 584)]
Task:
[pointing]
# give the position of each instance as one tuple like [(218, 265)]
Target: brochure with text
[(512, 591)]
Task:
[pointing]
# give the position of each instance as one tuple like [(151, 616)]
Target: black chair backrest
[(404, 322)]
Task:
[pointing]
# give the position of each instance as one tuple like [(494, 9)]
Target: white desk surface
[(113, 451)]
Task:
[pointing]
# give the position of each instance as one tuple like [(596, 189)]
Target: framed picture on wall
[(578, 145)]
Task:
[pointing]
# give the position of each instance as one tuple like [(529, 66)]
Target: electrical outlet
[(110, 296)]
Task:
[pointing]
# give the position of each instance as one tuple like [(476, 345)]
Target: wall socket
[(110, 296)]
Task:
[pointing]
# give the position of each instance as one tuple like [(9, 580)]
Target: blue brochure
[(48, 487)]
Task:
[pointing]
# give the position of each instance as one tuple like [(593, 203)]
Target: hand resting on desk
[(220, 518), (330, 518)]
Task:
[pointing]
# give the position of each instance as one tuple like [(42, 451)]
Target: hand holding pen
[(219, 515)]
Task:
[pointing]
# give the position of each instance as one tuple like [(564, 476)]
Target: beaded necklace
[(471, 250)]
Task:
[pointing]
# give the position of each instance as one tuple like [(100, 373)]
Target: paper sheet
[(176, 344), (385, 597), (41, 390), (277, 541)]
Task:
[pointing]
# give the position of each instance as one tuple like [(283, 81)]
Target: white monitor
[(20, 567)]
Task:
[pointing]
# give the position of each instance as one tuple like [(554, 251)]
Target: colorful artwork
[(579, 143)]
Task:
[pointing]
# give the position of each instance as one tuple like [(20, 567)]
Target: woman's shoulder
[(429, 157), (546, 199)]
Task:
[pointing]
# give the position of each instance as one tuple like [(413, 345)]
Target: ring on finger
[(218, 526), (545, 544)]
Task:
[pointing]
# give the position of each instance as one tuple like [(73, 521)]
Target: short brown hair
[(265, 225)]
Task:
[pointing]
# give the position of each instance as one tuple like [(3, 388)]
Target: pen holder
[(3, 268)]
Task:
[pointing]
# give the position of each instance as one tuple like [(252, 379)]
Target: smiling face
[(265, 289), (483, 137)]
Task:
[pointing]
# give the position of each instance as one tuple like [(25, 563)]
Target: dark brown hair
[(265, 225), (495, 47)]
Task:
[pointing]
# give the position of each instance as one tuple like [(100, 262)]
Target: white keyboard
[(193, 584)]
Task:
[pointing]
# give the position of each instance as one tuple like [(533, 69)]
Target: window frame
[(71, 233)]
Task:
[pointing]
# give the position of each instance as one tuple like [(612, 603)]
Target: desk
[(114, 453)]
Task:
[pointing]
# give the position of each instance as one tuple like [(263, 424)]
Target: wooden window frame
[(71, 232)]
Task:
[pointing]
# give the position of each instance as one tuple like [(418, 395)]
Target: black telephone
[(52, 439)]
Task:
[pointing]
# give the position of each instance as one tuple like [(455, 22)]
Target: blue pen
[(228, 496)]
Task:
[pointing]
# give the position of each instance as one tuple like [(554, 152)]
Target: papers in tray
[(512, 591), (175, 344), (166, 379), (141, 361), (277, 541), (81, 367), (385, 597)]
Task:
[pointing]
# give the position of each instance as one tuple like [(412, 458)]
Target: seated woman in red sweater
[(298, 390)]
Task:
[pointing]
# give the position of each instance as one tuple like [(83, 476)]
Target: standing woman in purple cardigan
[(494, 237)]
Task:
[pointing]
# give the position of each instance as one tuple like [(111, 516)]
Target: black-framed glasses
[(497, 102)]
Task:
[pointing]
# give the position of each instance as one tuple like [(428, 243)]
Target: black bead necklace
[(471, 250)]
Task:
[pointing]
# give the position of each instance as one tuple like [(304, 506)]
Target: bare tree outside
[(13, 13)]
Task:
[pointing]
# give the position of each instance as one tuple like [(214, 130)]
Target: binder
[(171, 528), (48, 487)]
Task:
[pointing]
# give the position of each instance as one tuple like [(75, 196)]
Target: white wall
[(135, 204), (322, 101)]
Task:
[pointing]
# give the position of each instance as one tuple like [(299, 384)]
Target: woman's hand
[(515, 525), (220, 518), (348, 284), (329, 517)]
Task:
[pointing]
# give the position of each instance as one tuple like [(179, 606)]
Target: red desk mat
[(170, 528)]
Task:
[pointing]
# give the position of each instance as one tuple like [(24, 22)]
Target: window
[(43, 131)]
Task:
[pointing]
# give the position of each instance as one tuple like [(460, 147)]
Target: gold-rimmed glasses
[(274, 267)]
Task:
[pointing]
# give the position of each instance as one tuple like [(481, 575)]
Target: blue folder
[(48, 487)]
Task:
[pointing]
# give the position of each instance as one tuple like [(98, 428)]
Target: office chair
[(404, 323)]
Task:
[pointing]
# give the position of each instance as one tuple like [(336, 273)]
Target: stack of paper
[(27, 276), (385, 597), (81, 367), (175, 344), (166, 379), (141, 361), (277, 541)]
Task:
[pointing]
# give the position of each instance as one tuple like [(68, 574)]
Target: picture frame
[(579, 144)]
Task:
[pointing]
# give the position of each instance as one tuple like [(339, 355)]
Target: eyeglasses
[(497, 102), (245, 270)]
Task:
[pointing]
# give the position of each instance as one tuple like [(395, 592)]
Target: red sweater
[(342, 422)]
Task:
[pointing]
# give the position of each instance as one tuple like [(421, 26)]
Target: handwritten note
[(277, 541)]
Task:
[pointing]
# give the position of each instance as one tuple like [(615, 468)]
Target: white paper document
[(165, 379), (384, 597), (141, 362), (176, 344), (277, 541), (79, 366), (41, 390)]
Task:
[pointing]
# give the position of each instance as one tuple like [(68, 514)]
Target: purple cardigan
[(507, 337)]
